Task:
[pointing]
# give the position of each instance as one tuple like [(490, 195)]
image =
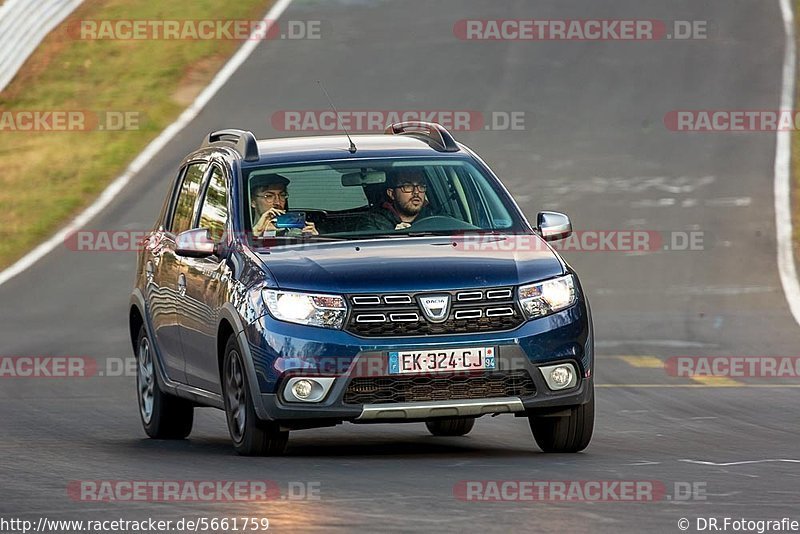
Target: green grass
[(48, 177)]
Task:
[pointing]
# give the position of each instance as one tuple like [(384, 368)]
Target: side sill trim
[(201, 396)]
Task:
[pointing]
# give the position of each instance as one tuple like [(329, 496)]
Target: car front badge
[(436, 307)]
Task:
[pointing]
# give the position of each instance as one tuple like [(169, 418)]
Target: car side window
[(214, 214), (187, 197)]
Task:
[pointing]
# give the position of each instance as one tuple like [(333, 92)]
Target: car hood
[(413, 264)]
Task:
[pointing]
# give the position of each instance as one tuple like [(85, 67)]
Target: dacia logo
[(436, 307)]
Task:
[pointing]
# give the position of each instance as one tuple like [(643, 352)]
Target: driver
[(406, 188), (268, 199)]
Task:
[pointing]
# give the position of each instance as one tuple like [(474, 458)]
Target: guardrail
[(23, 25)]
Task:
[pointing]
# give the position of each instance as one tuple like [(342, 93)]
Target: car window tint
[(499, 216), (184, 205), (344, 198), (323, 189), (214, 214), (474, 197)]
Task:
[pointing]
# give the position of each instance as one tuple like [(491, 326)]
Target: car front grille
[(393, 389), (471, 311)]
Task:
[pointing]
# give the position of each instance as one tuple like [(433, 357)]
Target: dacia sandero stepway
[(306, 282)]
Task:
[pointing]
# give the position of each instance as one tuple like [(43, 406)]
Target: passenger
[(270, 199), (406, 188)]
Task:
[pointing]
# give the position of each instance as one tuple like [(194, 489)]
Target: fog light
[(302, 389), (561, 376), (307, 389)]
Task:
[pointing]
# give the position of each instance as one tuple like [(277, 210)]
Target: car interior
[(338, 199)]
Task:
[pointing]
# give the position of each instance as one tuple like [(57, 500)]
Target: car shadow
[(346, 447)]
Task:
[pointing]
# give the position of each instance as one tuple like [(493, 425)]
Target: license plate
[(431, 361)]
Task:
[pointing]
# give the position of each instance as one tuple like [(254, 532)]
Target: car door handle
[(182, 284)]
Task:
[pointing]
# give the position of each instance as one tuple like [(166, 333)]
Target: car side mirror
[(553, 225), (195, 243)]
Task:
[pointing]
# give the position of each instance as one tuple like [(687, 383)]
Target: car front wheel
[(568, 433), (250, 436)]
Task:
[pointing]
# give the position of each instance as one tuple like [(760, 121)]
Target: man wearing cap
[(270, 199), (405, 189)]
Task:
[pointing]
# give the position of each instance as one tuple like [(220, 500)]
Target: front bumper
[(280, 351)]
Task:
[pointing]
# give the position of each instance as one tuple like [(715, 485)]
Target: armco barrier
[(23, 25)]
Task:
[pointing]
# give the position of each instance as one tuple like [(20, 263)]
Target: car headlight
[(544, 298), (327, 311)]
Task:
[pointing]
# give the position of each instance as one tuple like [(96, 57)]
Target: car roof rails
[(243, 141), (437, 134)]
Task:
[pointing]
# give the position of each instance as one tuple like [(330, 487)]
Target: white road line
[(689, 290), (155, 146), (727, 464), (724, 202), (728, 202), (783, 160), (670, 343), (699, 386), (653, 203)]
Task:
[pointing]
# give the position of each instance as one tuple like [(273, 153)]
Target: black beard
[(402, 210)]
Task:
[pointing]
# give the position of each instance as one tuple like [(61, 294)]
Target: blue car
[(306, 282)]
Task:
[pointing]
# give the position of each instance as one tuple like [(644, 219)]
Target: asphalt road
[(594, 146)]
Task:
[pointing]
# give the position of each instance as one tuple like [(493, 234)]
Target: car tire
[(569, 433), (250, 436), (163, 416), (450, 427)]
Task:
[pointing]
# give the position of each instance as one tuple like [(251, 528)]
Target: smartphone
[(295, 219)]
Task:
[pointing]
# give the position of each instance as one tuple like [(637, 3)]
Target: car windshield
[(370, 198)]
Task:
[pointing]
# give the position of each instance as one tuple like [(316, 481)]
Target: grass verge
[(46, 177)]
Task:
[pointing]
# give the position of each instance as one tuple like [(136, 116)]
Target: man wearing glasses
[(406, 188), (270, 199)]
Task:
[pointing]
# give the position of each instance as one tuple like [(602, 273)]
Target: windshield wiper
[(428, 233), (302, 238), (375, 236), (399, 235)]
